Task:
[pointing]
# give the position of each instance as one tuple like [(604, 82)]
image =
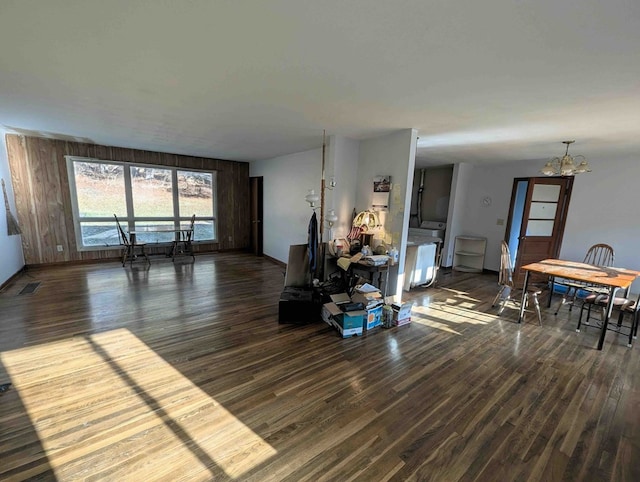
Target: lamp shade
[(312, 198), (331, 217), (366, 220)]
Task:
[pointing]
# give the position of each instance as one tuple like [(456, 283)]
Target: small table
[(183, 233), (612, 278)]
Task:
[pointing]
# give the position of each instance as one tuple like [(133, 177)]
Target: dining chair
[(599, 255), (507, 287), (624, 306), (129, 252), (186, 240)]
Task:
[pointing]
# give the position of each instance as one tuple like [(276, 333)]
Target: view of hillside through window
[(156, 197)]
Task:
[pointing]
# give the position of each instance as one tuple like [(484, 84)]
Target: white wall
[(602, 209), (393, 155), (343, 155), (11, 259), (462, 179), (286, 181), (354, 165)]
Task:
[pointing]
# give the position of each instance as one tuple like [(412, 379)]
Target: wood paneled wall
[(41, 186)]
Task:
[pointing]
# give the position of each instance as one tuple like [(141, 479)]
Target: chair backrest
[(600, 255), (124, 239), (190, 234), (505, 277)]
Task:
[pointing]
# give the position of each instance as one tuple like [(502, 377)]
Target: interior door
[(537, 217), (256, 216)]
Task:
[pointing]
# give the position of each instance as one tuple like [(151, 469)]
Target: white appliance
[(423, 249)]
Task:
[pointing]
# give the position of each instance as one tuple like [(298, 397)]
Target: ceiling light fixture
[(565, 165)]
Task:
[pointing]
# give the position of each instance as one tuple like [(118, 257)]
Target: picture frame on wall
[(381, 190)]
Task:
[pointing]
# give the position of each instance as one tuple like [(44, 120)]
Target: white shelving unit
[(468, 253)]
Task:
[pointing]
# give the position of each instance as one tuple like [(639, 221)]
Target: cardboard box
[(348, 332), (330, 311), (374, 318), (403, 321), (401, 312), (369, 300), (350, 323)]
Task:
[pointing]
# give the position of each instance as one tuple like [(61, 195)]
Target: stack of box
[(372, 299), (348, 323), (345, 313)]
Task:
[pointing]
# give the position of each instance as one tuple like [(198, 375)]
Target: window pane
[(195, 193), (99, 234), (151, 231), (100, 189), (203, 230), (151, 192)]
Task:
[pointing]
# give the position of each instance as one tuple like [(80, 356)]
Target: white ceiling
[(482, 81)]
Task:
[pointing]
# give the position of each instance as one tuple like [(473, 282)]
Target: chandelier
[(565, 165)]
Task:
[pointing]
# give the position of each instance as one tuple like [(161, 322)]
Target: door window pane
[(539, 228), (546, 192), (195, 194), (103, 182), (543, 210), (152, 192)]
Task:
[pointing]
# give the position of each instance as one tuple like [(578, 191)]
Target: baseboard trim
[(13, 277), (274, 261)]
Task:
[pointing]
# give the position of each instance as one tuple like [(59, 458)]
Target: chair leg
[(580, 318), (500, 291), (128, 254), (631, 329), (505, 298), (536, 303), (565, 297), (144, 253)]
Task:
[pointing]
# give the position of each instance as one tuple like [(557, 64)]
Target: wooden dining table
[(609, 277)]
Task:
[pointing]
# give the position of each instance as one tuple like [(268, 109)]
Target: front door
[(256, 216), (537, 217)]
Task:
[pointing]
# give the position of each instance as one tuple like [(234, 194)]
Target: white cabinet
[(468, 253)]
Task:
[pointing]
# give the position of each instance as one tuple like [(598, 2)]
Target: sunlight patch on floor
[(171, 428), (455, 314)]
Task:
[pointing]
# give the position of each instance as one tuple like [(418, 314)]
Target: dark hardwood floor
[(182, 372)]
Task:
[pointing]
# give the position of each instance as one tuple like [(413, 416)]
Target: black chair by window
[(129, 253), (507, 288), (598, 255), (624, 307), (185, 244)]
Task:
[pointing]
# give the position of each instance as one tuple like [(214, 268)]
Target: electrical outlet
[(59, 248), (500, 222), (230, 238)]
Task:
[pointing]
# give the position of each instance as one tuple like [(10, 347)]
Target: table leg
[(612, 294), (553, 280), (524, 296)]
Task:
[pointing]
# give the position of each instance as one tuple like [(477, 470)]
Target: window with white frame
[(139, 195)]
